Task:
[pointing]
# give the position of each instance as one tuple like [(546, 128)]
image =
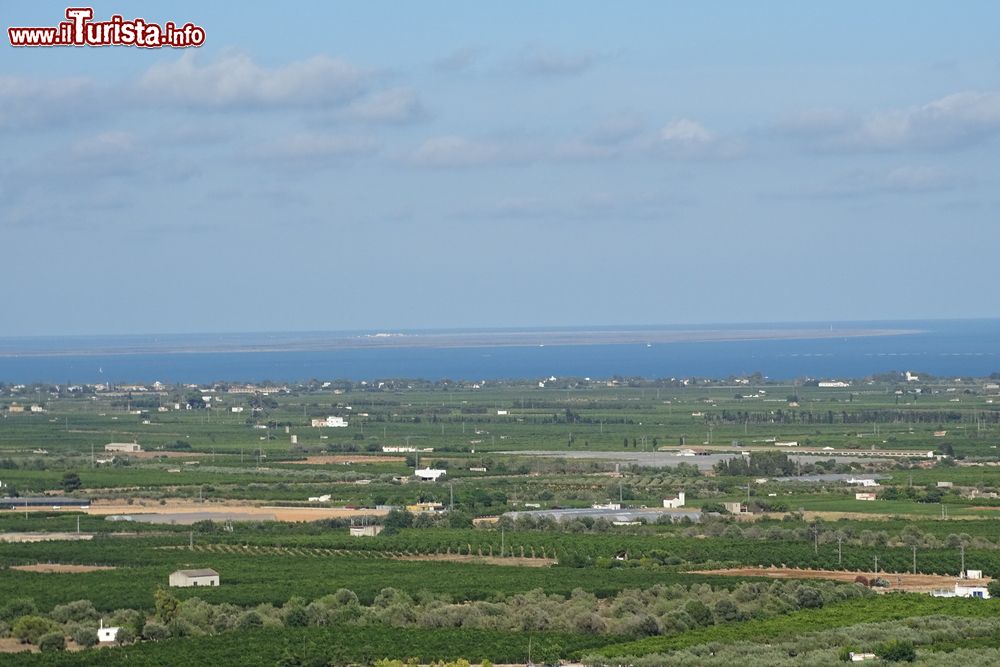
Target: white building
[(735, 508), (606, 506), (910, 377), (188, 578), (429, 474), (865, 496), (365, 531), (674, 503), (836, 384), (236, 408), (862, 481), (107, 635), (127, 447), (861, 657), (329, 422), (320, 499), (962, 590)]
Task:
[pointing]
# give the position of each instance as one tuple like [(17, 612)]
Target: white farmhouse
[(188, 578), (429, 474), (329, 422), (107, 635), (674, 503), (127, 447)]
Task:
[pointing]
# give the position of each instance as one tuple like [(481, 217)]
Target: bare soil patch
[(12, 645), (265, 512), (154, 454), (918, 583), (485, 560), (58, 568), (324, 459)]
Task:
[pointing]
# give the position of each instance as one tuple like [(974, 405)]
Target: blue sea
[(941, 348)]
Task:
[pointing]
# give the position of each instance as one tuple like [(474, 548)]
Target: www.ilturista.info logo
[(81, 30)]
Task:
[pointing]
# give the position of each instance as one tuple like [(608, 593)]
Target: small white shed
[(107, 635), (188, 578)]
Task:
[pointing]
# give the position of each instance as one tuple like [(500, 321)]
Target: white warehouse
[(188, 578)]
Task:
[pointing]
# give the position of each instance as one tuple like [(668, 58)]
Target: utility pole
[(840, 554), (876, 566), (191, 540), (963, 562), (914, 559), (451, 493)]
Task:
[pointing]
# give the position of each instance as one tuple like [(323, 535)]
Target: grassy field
[(209, 457)]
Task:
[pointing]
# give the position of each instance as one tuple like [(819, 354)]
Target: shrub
[(18, 607), (85, 636), (296, 617), (79, 610), (154, 631), (29, 629), (250, 619), (52, 641), (124, 636), (896, 650)]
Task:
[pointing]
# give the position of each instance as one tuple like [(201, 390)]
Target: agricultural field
[(505, 560)]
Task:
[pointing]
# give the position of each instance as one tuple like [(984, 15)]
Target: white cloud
[(396, 105), (951, 122), (26, 102), (106, 145), (687, 139), (685, 131), (234, 80), (455, 151)]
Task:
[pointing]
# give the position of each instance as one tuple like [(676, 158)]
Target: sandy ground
[(56, 568), (264, 511), (12, 645), (245, 510), (485, 560), (918, 583), (324, 459), (43, 537)]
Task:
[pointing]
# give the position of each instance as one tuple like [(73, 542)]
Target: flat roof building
[(127, 447), (188, 578)]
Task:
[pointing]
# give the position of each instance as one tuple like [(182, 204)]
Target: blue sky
[(385, 165)]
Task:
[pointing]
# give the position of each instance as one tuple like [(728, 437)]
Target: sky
[(398, 165)]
